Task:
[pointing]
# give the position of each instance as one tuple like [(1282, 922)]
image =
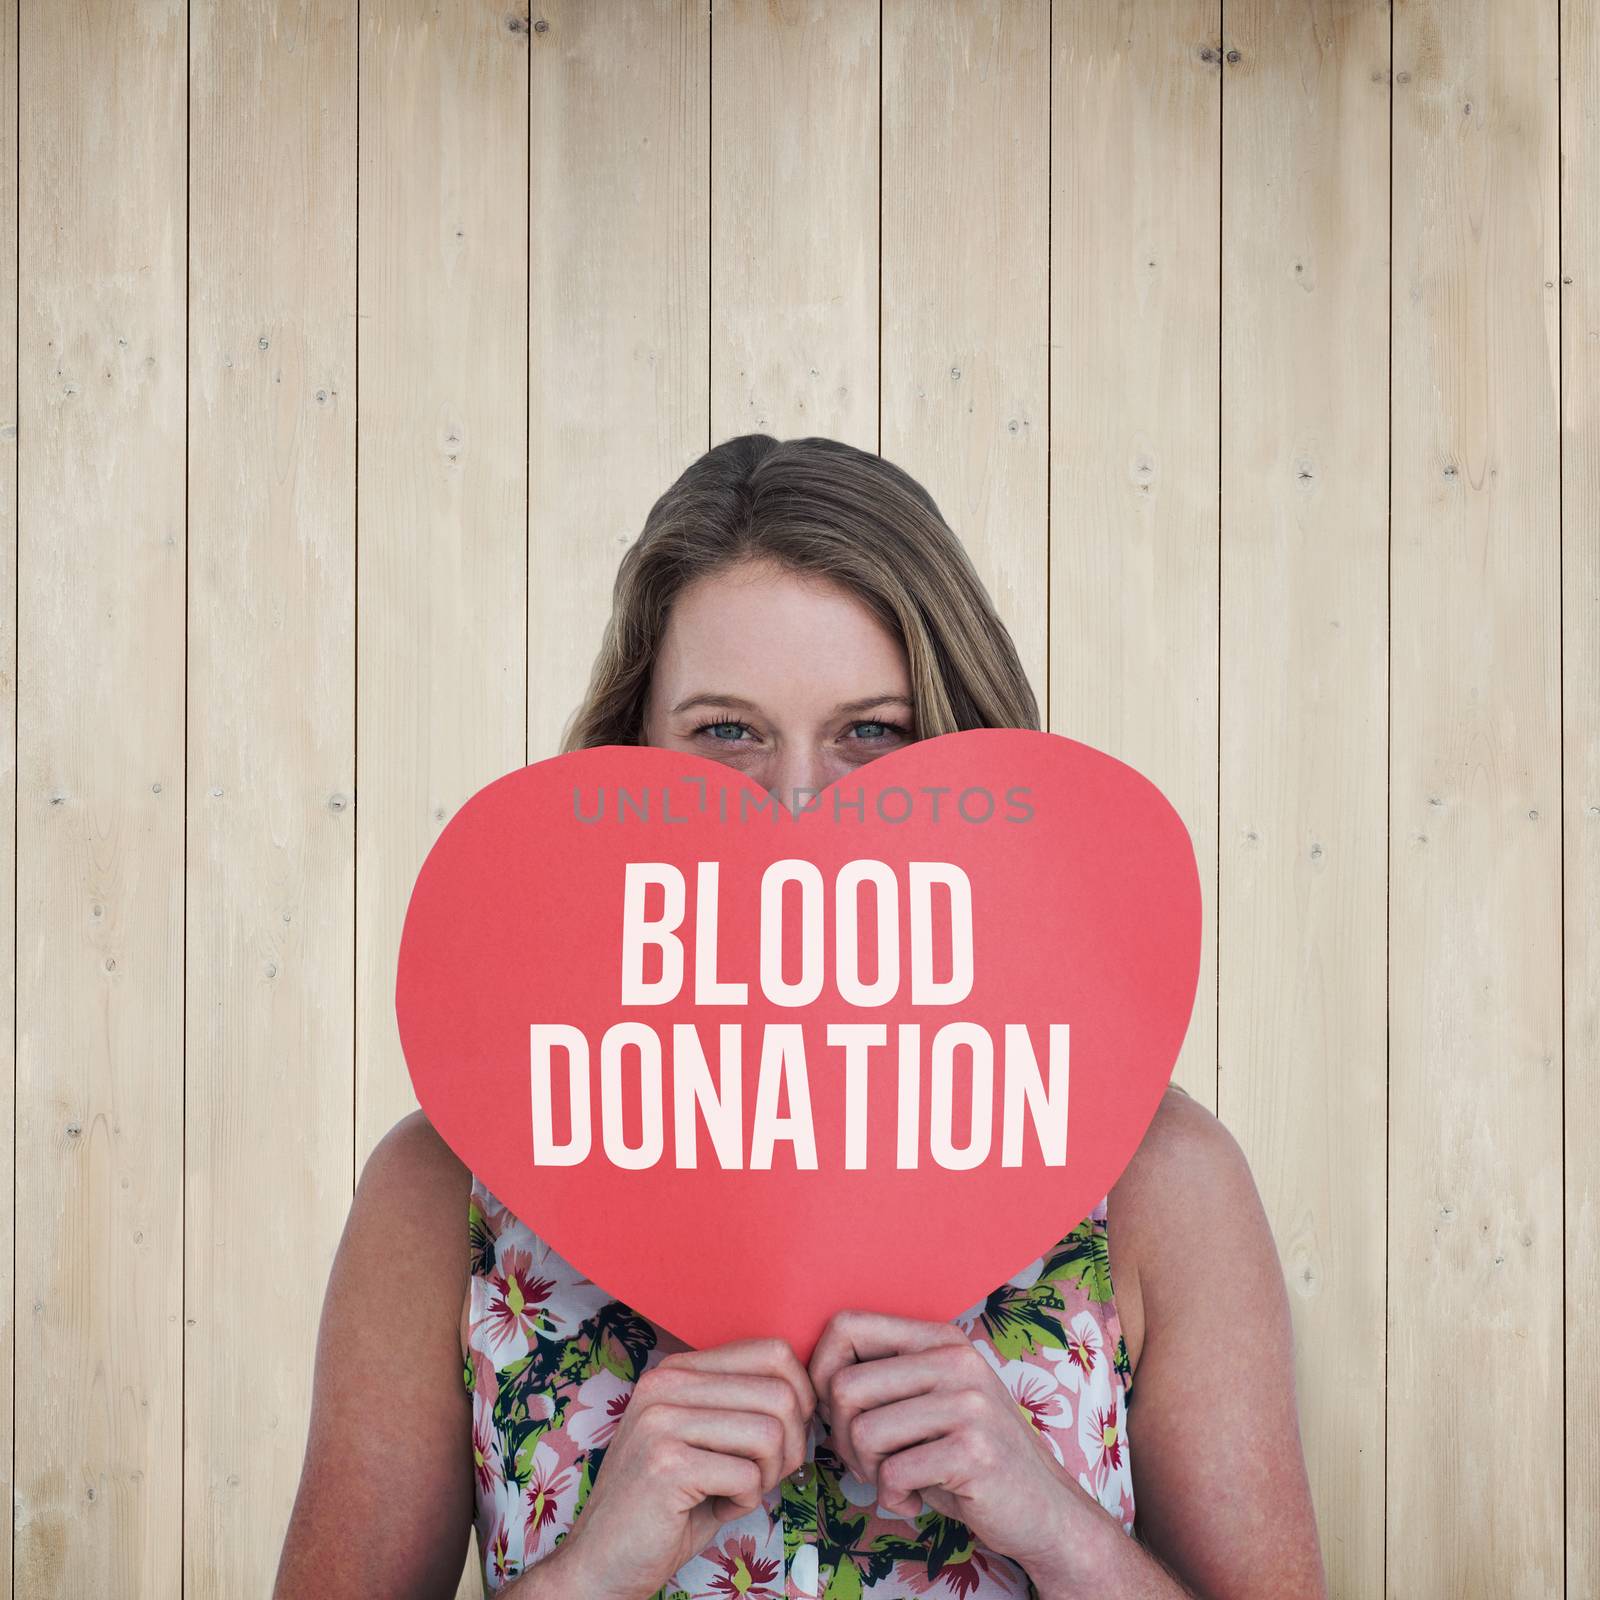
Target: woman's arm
[(385, 1501), (1218, 1466)]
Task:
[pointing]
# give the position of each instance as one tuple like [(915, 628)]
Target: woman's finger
[(770, 1356), (868, 1384), (733, 1391), (755, 1435), (888, 1429), (906, 1477), (854, 1336), (719, 1478)]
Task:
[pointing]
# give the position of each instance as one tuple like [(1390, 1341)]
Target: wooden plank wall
[(1253, 350)]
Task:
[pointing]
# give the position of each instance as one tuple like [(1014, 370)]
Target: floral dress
[(552, 1360)]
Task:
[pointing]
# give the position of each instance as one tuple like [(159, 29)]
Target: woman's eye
[(878, 730), (865, 732)]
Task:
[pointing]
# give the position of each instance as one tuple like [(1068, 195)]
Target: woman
[(795, 610)]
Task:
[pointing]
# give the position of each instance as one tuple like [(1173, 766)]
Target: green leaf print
[(620, 1341), (514, 1412), (837, 1531), (1019, 1320), (798, 1508), (525, 1389), (877, 1566), (513, 1370), (817, 1512), (892, 1547), (521, 1468), (614, 1362), (574, 1362), (845, 1584), (480, 1241), (1084, 1259), (949, 1541)]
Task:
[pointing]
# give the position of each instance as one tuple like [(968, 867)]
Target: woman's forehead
[(777, 637)]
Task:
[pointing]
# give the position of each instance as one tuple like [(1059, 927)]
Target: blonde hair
[(813, 506)]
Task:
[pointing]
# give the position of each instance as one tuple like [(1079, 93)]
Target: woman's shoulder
[(387, 1385), (1188, 1175), (410, 1169), (413, 1198)]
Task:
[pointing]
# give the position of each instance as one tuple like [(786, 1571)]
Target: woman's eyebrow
[(865, 704), (875, 700), (713, 700)]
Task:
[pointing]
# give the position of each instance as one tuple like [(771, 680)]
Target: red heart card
[(744, 1068)]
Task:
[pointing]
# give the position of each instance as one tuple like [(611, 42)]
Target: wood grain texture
[(8, 758), (1304, 674), (619, 312), (794, 220), (353, 345), (1474, 1375), (99, 1290), (1580, 810), (9, 167), (1135, 190), (443, 490), (441, 614), (271, 754), (966, 141)]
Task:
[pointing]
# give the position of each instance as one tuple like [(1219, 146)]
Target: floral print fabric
[(552, 1360)]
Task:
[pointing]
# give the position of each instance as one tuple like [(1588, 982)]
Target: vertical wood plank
[(966, 283), (100, 712), (8, 541), (619, 312), (1135, 119), (1580, 633), (794, 218), (1304, 705), (442, 608), (444, 467), (8, 761), (1475, 1213), (271, 754)]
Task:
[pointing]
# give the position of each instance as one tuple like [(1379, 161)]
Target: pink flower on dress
[(996, 1575), (1037, 1393), (1108, 1492), (1082, 1355), (741, 1574), (534, 1294), (485, 1380), (497, 1560), (551, 1499), (1100, 1434), (597, 1409), (517, 1295), (486, 1463)]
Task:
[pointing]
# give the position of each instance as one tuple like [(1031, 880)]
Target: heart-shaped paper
[(1084, 911)]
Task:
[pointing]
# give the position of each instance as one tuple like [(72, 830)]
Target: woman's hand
[(916, 1411), (705, 1434)]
